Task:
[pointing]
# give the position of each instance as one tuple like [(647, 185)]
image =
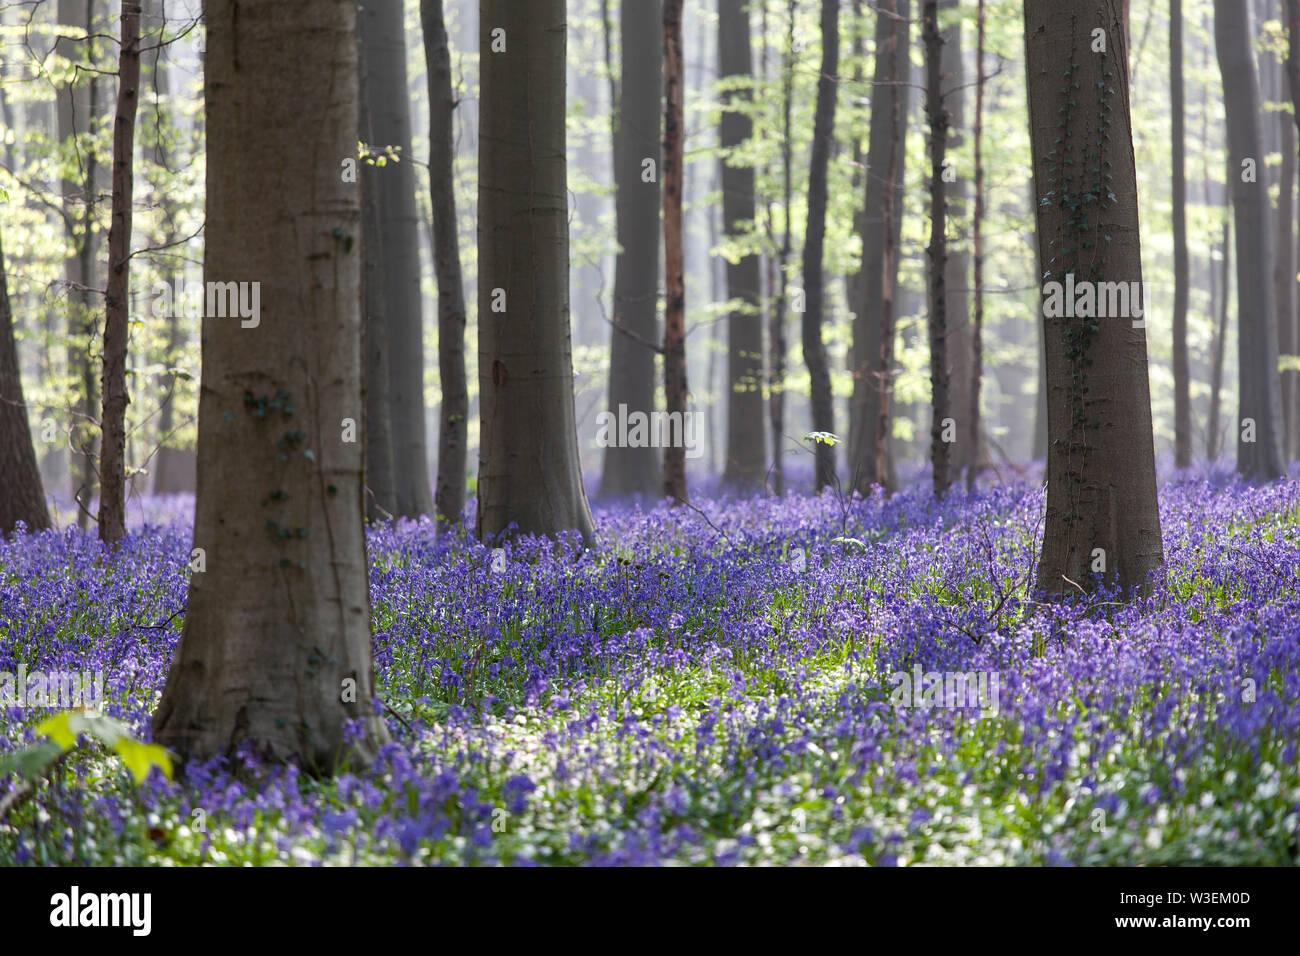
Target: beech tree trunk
[(635, 470), (77, 106), (1103, 520), (112, 461), (529, 474), (276, 647), (746, 461), (873, 321), (453, 420), (396, 246), (974, 433), (675, 388), (962, 453), (814, 348), (1259, 425), (173, 465), (780, 300), (23, 497), (1182, 374), (937, 250)]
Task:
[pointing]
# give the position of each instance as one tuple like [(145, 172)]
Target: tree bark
[(974, 435), (112, 461), (397, 249), (962, 453), (23, 498), (1259, 426), (529, 474), (1182, 374), (635, 470), (453, 420), (780, 301), (937, 250), (381, 477), (675, 388), (746, 448), (75, 112), (814, 348), (1220, 343), (1103, 520), (275, 652), (873, 322), (173, 465)]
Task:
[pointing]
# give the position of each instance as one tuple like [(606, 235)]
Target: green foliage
[(62, 732)]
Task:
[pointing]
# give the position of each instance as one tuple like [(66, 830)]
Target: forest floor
[(724, 686)]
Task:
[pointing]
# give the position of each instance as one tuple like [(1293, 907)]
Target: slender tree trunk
[(777, 320), (635, 470), (1284, 280), (873, 323), (381, 477), (78, 104), (529, 474), (275, 653), (173, 466), (23, 498), (1259, 426), (1220, 342), (1103, 520), (1182, 374), (974, 439), (746, 451), (675, 389), (957, 282), (937, 251), (814, 348), (453, 421), (1292, 15), (397, 249), (112, 462)]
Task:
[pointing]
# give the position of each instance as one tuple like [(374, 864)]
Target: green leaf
[(30, 761), (141, 757)]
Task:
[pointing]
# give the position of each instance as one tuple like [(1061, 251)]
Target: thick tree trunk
[(112, 461), (276, 648), (453, 421), (814, 348), (1182, 374), (1103, 521), (746, 448), (675, 388), (397, 247), (873, 322), (937, 250), (529, 474), (635, 470), (1259, 426), (23, 497)]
